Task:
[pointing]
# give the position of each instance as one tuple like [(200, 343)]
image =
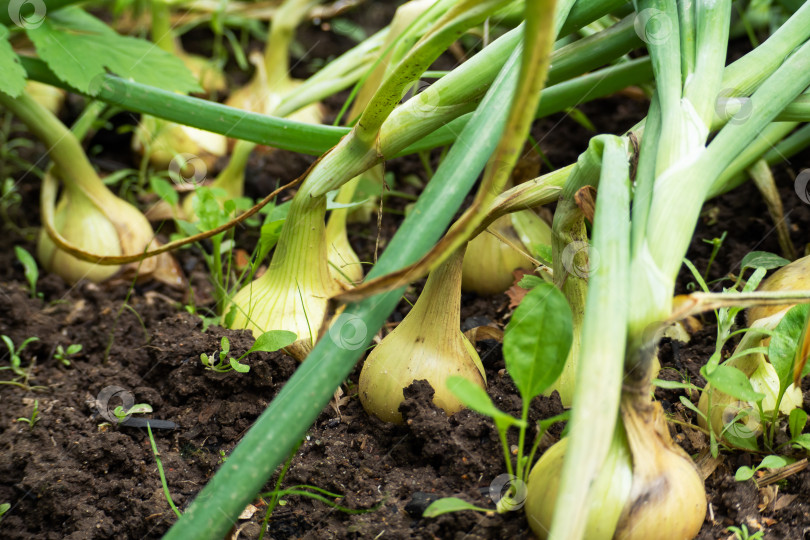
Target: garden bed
[(74, 475)]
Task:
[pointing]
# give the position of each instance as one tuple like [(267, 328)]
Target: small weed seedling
[(34, 416), (30, 269), (741, 533), (267, 342), (768, 462), (5, 507), (138, 408), (63, 355), (15, 362)]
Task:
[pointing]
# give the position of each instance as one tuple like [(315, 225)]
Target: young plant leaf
[(79, 49), (797, 421), (763, 259), (29, 268), (12, 74), (772, 462), (691, 406), (449, 504), (744, 473), (537, 340), (785, 340), (530, 282), (802, 441), (476, 398), (241, 368), (273, 341), (733, 382)]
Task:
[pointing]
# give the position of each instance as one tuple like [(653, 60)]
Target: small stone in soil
[(474, 322), (419, 503)]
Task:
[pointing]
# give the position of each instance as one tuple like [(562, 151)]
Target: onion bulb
[(610, 491), (489, 262), (164, 141), (667, 499), (92, 218), (210, 76), (426, 345), (293, 293)]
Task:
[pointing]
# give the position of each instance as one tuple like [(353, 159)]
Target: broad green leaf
[(79, 49), (797, 421), (743, 474), (447, 505), (476, 398), (785, 340), (12, 74), (530, 282), (537, 340), (762, 259), (772, 462), (273, 341), (733, 382), (544, 252), (740, 436)]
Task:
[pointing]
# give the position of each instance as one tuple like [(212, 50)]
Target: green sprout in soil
[(741, 533), (64, 355), (267, 342), (30, 270), (34, 416), (139, 408), (21, 375)]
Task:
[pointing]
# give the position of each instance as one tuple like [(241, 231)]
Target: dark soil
[(74, 475)]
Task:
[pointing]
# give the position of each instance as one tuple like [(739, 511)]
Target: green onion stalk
[(88, 215), (162, 141), (675, 174)]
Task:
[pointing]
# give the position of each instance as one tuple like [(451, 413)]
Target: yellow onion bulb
[(426, 345), (166, 140), (84, 225), (667, 499), (50, 97), (211, 77), (489, 263), (610, 489)]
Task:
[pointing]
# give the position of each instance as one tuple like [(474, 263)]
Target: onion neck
[(438, 308)]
